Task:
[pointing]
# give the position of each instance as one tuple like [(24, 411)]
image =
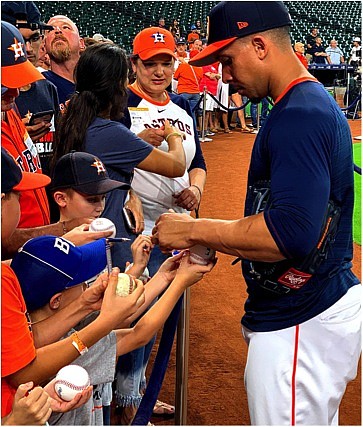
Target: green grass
[(357, 224)]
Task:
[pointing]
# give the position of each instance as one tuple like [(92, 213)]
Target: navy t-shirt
[(121, 151), (65, 87), (305, 150)]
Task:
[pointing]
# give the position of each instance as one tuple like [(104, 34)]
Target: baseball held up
[(71, 380), (126, 285), (103, 224)]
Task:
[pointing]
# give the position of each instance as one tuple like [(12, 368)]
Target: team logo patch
[(242, 25), (100, 166), (294, 279), (17, 48), (158, 37)]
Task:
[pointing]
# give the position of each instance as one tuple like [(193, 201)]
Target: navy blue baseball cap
[(84, 173), (14, 179), (230, 20), (16, 70), (47, 265)]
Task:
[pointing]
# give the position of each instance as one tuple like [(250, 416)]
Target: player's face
[(154, 75), (63, 41), (8, 99), (242, 68), (83, 206), (10, 213)]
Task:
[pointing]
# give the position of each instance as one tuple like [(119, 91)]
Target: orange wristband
[(78, 344)]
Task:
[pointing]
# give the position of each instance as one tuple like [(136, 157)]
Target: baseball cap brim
[(153, 52), (209, 54), (15, 76), (100, 187), (32, 181)]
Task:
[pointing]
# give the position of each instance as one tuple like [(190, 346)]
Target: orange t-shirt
[(192, 37), (187, 81), (17, 345), (303, 59), (34, 204)]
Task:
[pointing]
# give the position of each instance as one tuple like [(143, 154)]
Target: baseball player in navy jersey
[(303, 312)]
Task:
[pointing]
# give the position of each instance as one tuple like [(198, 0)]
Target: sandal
[(227, 130), (162, 409), (247, 130), (215, 130)]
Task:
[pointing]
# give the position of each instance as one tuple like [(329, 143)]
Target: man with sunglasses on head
[(40, 95)]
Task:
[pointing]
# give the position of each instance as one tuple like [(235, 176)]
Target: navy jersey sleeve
[(299, 150), (115, 145)]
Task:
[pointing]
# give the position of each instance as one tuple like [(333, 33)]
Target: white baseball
[(71, 380), (103, 224), (125, 285), (201, 255)]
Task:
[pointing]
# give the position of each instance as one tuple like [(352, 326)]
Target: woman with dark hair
[(91, 123), (175, 29)]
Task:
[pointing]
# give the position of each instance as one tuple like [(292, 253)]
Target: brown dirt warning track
[(217, 353)]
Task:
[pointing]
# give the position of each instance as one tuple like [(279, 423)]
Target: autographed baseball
[(71, 380), (103, 224), (201, 255), (125, 285)]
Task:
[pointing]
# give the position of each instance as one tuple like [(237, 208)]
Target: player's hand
[(189, 273), (188, 199), (172, 231), (36, 131), (116, 309), (153, 136), (81, 235), (29, 408), (135, 206), (141, 249), (59, 405)]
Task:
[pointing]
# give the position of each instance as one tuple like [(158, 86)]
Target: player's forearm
[(55, 327), (246, 238)]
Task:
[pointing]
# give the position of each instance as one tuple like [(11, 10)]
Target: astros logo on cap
[(100, 167), (158, 38), (17, 48)]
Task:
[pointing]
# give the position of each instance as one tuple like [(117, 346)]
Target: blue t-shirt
[(305, 150), (65, 87), (121, 151)]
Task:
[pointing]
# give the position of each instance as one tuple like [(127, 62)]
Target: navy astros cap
[(47, 265), (230, 20), (85, 173), (181, 41)]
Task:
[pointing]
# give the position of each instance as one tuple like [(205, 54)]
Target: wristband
[(200, 191), (78, 344), (174, 134)]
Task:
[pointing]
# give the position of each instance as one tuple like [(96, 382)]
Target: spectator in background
[(335, 53), (319, 54), (161, 23), (43, 63), (264, 113), (197, 45), (181, 50), (310, 42), (210, 81), (299, 49), (175, 29), (193, 35), (200, 29), (40, 95), (63, 45), (356, 53)]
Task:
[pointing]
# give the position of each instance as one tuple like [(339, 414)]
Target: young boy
[(72, 174), (21, 361)]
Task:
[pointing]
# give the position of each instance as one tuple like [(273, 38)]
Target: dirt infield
[(217, 355)]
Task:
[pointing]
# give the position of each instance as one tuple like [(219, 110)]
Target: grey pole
[(203, 117), (182, 355)]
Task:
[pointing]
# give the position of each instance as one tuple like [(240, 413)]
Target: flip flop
[(247, 130), (162, 409)]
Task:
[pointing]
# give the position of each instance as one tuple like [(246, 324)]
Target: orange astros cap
[(154, 41), (230, 20)]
